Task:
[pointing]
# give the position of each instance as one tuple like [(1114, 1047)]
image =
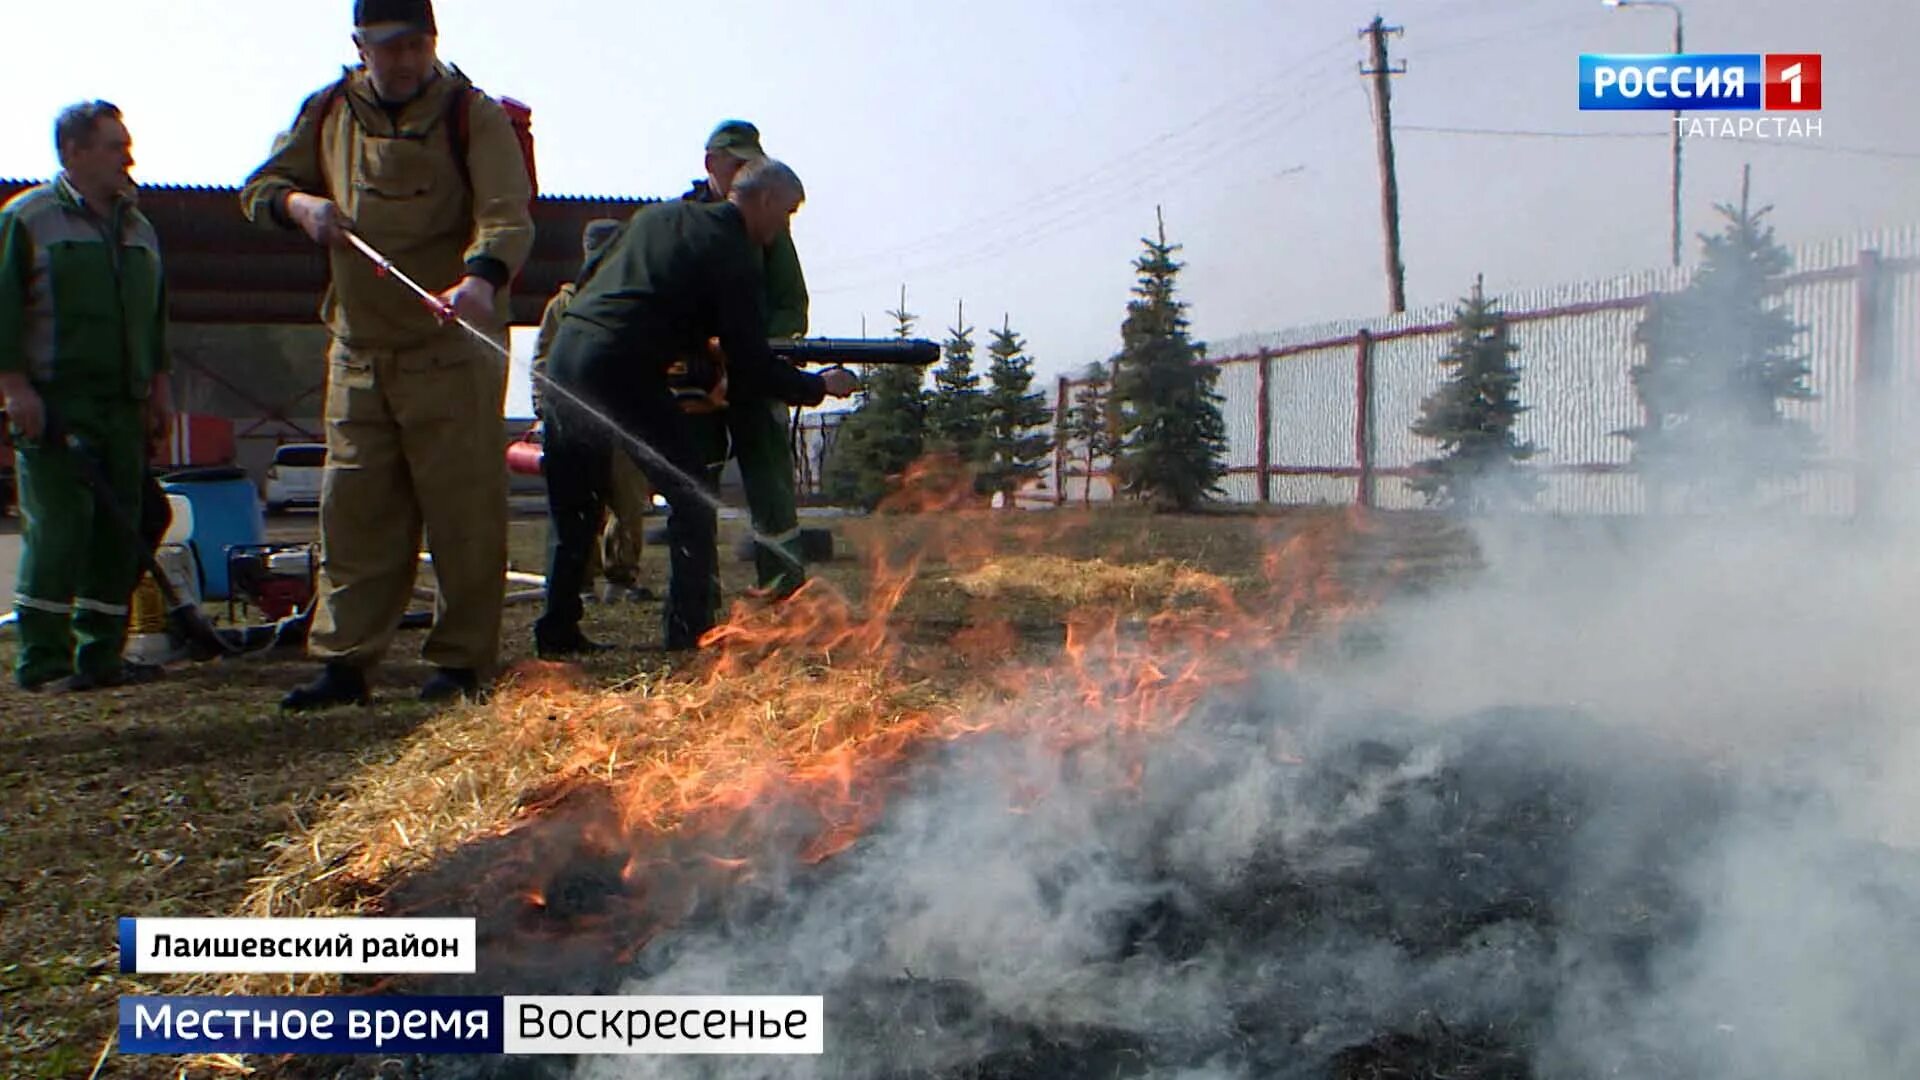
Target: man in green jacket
[(82, 340), (756, 433), (681, 273)]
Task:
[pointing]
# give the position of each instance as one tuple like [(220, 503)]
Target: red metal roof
[(223, 269)]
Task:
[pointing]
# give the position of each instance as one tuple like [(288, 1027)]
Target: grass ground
[(171, 799)]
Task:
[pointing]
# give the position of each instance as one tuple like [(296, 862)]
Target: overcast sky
[(1010, 154)]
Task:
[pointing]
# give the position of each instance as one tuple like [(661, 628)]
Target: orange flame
[(791, 733)]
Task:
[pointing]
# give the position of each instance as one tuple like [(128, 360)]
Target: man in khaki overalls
[(415, 435)]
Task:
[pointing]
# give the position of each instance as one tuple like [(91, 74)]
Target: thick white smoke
[(1640, 801)]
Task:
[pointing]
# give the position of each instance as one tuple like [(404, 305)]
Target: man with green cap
[(83, 318), (756, 433)]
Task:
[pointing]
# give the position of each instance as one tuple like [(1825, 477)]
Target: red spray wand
[(440, 308), (445, 313)]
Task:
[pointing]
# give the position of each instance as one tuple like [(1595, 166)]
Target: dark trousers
[(631, 397)]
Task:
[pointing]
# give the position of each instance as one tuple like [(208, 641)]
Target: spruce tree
[(1092, 430), (1721, 356), (886, 431), (1016, 443), (1173, 440), (1471, 416), (956, 411)]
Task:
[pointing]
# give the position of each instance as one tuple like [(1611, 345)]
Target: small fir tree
[(956, 411), (1092, 431), (885, 433), (1173, 439), (1017, 442), (1472, 415), (1721, 357)]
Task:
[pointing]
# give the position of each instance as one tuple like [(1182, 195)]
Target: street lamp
[(1679, 46)]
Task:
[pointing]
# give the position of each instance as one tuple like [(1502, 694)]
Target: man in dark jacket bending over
[(680, 274)]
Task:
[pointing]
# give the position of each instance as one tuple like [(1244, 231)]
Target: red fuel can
[(523, 457)]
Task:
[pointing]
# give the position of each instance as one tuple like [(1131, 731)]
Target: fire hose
[(445, 312), (524, 454)]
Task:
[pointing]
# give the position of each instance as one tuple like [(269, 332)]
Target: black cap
[(380, 21)]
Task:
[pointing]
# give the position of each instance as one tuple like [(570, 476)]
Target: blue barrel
[(226, 513)]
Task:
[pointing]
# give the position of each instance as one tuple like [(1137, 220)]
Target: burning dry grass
[(1074, 583), (815, 704), (672, 748)]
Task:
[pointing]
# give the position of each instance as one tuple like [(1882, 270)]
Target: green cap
[(737, 137)]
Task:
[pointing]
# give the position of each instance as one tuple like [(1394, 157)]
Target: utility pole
[(1679, 47), (1381, 72)]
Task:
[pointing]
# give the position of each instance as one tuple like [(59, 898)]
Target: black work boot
[(339, 684), (129, 673), (44, 682), (550, 647), (448, 684)]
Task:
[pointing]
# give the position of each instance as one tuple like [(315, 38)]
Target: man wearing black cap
[(406, 153), (680, 274), (757, 434)]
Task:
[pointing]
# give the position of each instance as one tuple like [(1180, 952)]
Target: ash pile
[(1513, 897)]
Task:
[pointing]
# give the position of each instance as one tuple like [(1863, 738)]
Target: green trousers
[(77, 569), (755, 433)]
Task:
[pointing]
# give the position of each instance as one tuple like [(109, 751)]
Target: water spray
[(445, 312)]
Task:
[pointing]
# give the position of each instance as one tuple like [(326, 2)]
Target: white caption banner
[(364, 946)]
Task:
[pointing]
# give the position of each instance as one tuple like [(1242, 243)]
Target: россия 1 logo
[(1775, 82), (1793, 82), (1709, 82)]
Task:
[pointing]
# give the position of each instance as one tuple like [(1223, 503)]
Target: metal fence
[(1324, 414), (813, 440)]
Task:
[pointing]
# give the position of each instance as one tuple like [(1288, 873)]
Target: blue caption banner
[(195, 1024), (1671, 81), (129, 951)]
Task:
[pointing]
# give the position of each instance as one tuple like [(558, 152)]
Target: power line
[(1459, 9), (1065, 198), (934, 265), (1100, 198), (1236, 110), (1512, 133), (1782, 144), (1508, 36), (1826, 148), (1093, 200)]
